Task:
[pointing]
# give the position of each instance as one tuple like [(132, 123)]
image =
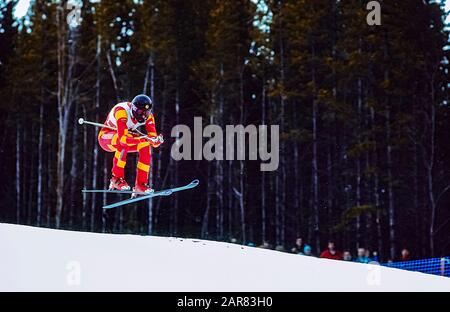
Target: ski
[(165, 192)]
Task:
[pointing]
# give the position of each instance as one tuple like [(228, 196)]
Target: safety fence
[(436, 266)]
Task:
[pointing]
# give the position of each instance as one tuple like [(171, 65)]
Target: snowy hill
[(37, 259)]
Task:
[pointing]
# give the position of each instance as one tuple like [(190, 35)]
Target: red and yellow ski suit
[(124, 141)]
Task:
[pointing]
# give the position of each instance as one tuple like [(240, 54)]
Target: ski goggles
[(142, 112)]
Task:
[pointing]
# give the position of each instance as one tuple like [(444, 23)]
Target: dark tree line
[(363, 115)]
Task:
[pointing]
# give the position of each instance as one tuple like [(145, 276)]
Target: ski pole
[(81, 121)]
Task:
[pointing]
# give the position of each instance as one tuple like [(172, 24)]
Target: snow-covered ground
[(37, 259)]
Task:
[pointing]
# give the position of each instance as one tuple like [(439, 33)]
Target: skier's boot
[(141, 188), (118, 184)]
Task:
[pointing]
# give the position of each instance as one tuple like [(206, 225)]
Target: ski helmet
[(141, 107)]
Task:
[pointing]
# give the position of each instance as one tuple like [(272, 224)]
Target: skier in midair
[(127, 118)]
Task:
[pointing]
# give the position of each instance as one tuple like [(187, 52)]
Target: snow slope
[(37, 259)]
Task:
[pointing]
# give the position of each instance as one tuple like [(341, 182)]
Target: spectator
[(362, 256), (375, 257), (299, 246), (280, 248), (406, 255), (347, 256), (307, 251), (265, 245), (331, 252)]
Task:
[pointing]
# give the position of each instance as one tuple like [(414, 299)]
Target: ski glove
[(156, 141)]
